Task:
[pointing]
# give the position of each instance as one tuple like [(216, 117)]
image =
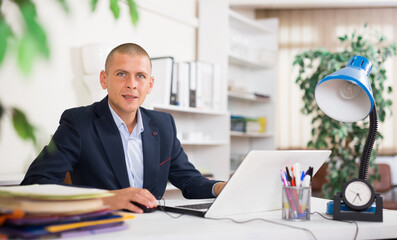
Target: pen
[(297, 170), (289, 178), (306, 181), (310, 172), (302, 176), (292, 177), (289, 196), (283, 179)]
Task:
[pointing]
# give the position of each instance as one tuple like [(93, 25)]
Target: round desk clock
[(358, 194)]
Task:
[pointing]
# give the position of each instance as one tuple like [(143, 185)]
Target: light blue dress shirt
[(132, 145)]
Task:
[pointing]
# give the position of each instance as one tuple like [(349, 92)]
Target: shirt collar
[(119, 122)]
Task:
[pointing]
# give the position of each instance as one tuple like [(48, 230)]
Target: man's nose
[(131, 83)]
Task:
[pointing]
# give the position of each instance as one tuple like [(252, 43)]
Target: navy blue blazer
[(88, 144)]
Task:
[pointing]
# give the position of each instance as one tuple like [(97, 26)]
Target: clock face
[(358, 194)]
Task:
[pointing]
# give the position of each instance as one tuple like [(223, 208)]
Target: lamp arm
[(369, 143)]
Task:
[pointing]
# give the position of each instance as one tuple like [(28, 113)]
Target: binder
[(174, 99), (183, 84), (162, 71), (204, 92), (192, 84)]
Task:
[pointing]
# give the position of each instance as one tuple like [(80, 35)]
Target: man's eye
[(141, 76), (121, 74)]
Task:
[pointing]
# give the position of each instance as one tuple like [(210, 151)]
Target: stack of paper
[(57, 211)]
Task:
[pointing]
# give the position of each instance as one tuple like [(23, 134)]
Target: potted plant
[(346, 140)]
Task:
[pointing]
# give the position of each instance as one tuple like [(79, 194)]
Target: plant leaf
[(64, 5), (24, 129), (93, 4), (34, 29), (5, 34), (133, 12), (27, 52), (114, 6)]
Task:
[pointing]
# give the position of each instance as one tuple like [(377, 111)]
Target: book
[(51, 206), (35, 211), (53, 192), (98, 224)]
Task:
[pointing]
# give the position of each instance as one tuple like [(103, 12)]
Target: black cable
[(331, 219), (167, 213), (268, 221), (369, 143), (239, 222)]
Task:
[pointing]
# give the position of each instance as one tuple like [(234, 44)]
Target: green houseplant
[(346, 140), (32, 44)]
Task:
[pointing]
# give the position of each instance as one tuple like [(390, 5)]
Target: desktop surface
[(159, 225)]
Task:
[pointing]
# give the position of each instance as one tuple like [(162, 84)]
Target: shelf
[(248, 97), (250, 135), (246, 24), (247, 62), (174, 108), (168, 13), (202, 143)]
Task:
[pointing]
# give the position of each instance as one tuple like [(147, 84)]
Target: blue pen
[(286, 178), (302, 176)]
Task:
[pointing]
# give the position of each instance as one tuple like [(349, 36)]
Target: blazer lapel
[(151, 150), (111, 141)]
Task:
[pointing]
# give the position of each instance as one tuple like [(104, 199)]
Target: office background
[(172, 28), (165, 28)]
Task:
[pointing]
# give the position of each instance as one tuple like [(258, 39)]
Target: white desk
[(158, 225)]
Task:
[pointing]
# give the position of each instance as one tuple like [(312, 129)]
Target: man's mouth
[(129, 97)]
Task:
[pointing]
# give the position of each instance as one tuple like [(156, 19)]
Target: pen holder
[(296, 203)]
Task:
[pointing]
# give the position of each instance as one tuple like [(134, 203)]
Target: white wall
[(56, 85)]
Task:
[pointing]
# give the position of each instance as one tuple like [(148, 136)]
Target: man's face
[(128, 80)]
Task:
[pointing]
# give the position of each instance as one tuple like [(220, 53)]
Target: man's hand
[(123, 198), (218, 187)]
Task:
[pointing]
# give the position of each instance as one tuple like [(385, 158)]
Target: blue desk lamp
[(346, 96)]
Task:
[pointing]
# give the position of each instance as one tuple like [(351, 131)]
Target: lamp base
[(366, 216)]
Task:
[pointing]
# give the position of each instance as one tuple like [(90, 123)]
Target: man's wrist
[(217, 188)]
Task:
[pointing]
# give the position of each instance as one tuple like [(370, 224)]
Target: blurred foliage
[(346, 140), (32, 44)]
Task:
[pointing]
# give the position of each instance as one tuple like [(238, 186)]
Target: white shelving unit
[(246, 49), (203, 135), (252, 67)]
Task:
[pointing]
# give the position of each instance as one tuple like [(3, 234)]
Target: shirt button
[(154, 133)]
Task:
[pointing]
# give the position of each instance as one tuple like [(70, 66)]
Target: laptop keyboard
[(198, 206)]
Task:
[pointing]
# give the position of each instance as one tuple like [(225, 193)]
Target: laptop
[(254, 187)]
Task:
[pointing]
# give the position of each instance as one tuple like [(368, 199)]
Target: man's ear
[(102, 79), (151, 83)]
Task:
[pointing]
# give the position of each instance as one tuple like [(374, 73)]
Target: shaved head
[(127, 48)]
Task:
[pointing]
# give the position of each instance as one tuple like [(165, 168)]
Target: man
[(115, 144)]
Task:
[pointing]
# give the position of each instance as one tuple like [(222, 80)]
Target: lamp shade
[(346, 94)]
